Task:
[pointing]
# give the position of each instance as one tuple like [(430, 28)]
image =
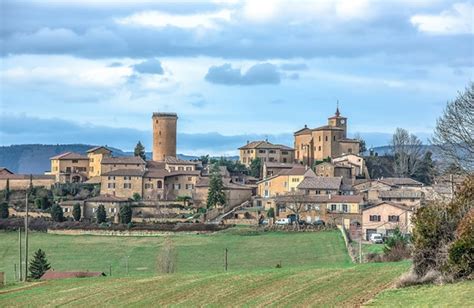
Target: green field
[(301, 286), (196, 253), (450, 295)]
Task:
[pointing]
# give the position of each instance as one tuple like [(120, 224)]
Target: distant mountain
[(387, 150), (34, 158)]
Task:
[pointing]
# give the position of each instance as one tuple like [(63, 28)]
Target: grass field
[(301, 286), (449, 295), (196, 253)]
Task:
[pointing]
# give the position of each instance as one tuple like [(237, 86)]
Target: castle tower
[(164, 135)]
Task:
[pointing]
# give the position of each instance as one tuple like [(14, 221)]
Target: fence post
[(225, 260)]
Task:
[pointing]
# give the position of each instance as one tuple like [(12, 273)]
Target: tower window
[(334, 138), (159, 133), (326, 138)]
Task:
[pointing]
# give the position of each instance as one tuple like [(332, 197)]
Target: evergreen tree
[(7, 190), (125, 214), (426, 172), (76, 212), (57, 213), (216, 195), (140, 150), (101, 214), (256, 167), (4, 210), (39, 265), (136, 197)]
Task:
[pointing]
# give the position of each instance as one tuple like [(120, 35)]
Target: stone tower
[(164, 135)]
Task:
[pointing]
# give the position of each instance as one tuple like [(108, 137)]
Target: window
[(127, 185), (393, 218), (284, 152), (127, 178), (319, 148), (272, 151), (190, 178), (92, 168), (262, 151), (177, 186), (319, 138), (326, 138), (159, 184), (112, 210), (74, 161), (349, 150), (333, 207), (111, 185), (189, 186), (374, 218), (244, 160), (172, 168), (148, 186), (180, 168), (344, 208), (334, 138), (189, 168), (267, 193)]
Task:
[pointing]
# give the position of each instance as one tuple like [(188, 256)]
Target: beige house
[(385, 217), (176, 164), (284, 182), (266, 151), (326, 141), (355, 162), (95, 156), (122, 183), (69, 167), (328, 169)]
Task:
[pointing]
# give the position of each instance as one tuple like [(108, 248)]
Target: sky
[(85, 71)]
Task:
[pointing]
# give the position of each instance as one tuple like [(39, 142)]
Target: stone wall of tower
[(164, 135)]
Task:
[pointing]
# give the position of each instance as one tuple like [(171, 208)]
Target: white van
[(283, 221), (376, 238)]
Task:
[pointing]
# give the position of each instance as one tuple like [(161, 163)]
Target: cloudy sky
[(93, 71)]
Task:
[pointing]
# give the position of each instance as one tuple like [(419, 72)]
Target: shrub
[(136, 197), (396, 247), (57, 213), (461, 252), (4, 210)]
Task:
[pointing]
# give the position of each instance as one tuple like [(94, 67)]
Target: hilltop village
[(322, 179)]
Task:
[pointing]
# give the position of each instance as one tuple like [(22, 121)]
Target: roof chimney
[(248, 141), (305, 126)]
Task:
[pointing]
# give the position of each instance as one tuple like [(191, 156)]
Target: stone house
[(385, 217), (266, 151), (320, 185), (69, 167)]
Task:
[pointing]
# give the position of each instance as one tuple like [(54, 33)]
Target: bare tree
[(454, 132), (407, 150), (167, 257), (295, 203)]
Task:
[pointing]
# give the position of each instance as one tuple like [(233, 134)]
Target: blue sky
[(94, 71)]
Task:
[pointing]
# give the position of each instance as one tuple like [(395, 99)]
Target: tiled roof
[(151, 164), (280, 165), (321, 182), (70, 155), (400, 181), (176, 161), (125, 172), (400, 193), (156, 173), (349, 140), (327, 127), (5, 170), (97, 148), (93, 180), (321, 198), (184, 172), (123, 160), (265, 145), (49, 275), (106, 198), (204, 182), (400, 206), (296, 170), (303, 131)]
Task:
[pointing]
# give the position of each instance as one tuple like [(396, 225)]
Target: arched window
[(159, 184)]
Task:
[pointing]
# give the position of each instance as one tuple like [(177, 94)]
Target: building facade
[(326, 141), (266, 151)]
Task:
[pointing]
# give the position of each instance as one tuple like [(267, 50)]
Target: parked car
[(303, 223), (283, 221), (376, 238)]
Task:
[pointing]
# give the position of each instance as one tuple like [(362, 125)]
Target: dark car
[(320, 223)]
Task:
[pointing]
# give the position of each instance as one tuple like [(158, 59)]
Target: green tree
[(140, 150), (216, 195), (427, 171), (76, 212), (4, 210), (42, 203), (39, 265), (57, 213), (256, 167), (136, 197), (125, 214), (101, 215), (204, 159), (362, 144)]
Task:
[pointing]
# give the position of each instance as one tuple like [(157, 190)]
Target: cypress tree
[(125, 214), (76, 212), (140, 150), (39, 265), (4, 210), (216, 195), (101, 214), (7, 190)]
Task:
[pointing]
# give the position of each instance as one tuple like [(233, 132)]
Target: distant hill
[(386, 149), (34, 158)]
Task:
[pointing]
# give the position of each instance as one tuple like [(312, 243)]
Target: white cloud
[(158, 19), (457, 20)]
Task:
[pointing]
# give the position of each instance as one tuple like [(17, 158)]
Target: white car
[(283, 221), (376, 238)]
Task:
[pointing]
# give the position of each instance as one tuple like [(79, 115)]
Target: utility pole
[(225, 259), (360, 245), (126, 264), (20, 274), (26, 239)]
